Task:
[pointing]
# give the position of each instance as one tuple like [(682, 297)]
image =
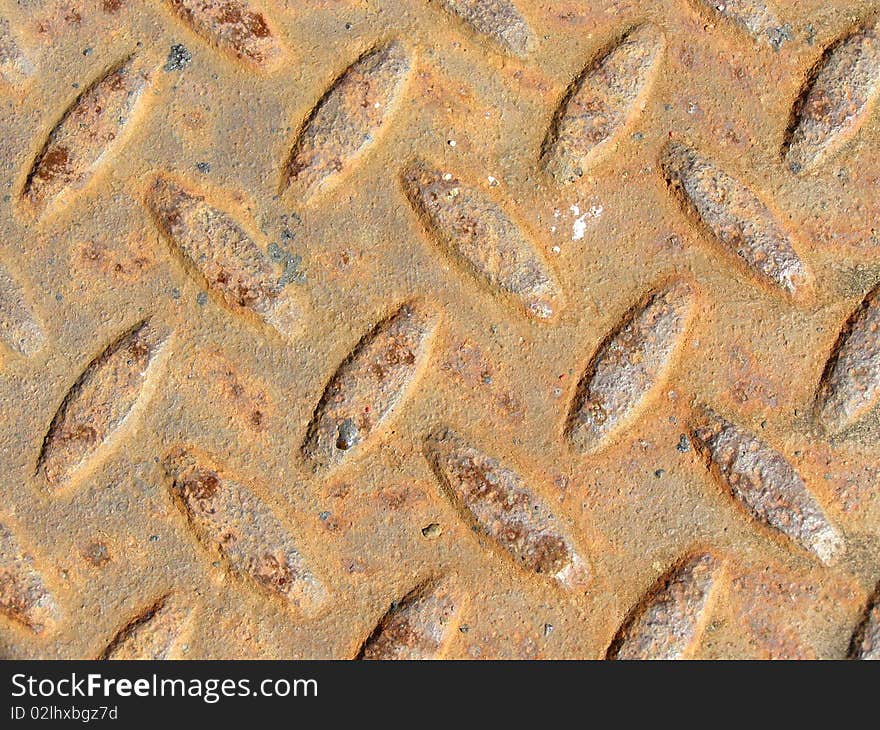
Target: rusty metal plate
[(439, 328)]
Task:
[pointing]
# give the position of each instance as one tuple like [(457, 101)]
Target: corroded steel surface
[(439, 328)]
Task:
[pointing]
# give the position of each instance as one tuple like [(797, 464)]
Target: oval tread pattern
[(669, 620), (369, 386), (601, 103), (631, 364), (476, 230), (100, 404), (503, 506), (766, 484), (91, 129), (418, 626), (230, 520)]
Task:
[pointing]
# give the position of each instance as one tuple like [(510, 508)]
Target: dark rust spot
[(96, 553), (55, 163), (201, 484)]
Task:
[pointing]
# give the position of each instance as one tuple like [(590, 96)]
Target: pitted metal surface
[(439, 329)]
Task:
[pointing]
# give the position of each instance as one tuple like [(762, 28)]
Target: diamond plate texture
[(439, 329)]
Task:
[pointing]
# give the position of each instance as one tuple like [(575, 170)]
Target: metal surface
[(475, 329)]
